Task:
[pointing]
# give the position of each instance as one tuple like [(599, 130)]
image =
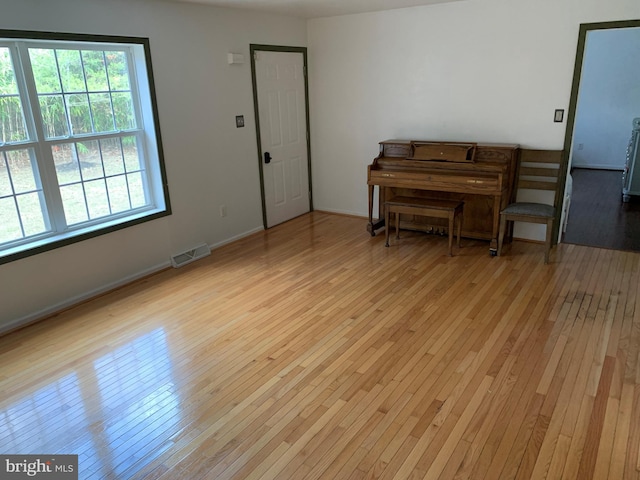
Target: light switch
[(558, 116)]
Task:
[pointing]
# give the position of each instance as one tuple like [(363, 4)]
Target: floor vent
[(190, 255)]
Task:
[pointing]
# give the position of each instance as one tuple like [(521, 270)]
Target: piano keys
[(481, 175)]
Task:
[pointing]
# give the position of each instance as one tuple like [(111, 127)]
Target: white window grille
[(80, 150)]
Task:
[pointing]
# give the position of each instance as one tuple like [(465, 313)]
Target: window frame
[(149, 139)]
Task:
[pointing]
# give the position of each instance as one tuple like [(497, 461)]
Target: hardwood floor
[(598, 217), (312, 351)]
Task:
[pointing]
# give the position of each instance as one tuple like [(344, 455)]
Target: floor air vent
[(190, 255)]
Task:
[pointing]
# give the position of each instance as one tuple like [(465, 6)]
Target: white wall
[(209, 162), (609, 98), (475, 70)]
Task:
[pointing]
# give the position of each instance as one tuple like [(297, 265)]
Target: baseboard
[(341, 212), (598, 167), (78, 299), (235, 238), (529, 240), (91, 294)]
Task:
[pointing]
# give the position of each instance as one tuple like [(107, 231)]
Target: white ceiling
[(318, 8)]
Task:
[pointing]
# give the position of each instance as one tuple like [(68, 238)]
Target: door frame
[(278, 48), (585, 28)]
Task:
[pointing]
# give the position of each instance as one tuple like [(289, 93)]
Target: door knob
[(267, 157)]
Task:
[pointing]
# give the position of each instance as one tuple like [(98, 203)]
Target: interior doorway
[(604, 100)]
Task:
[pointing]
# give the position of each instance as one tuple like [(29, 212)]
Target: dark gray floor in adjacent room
[(598, 217)]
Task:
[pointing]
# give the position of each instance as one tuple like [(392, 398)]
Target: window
[(80, 151)]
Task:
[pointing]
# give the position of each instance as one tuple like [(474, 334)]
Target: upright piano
[(481, 175)]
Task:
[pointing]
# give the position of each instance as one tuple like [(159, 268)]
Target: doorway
[(604, 100), (282, 117)]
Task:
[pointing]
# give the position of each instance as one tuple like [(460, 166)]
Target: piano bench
[(425, 207)]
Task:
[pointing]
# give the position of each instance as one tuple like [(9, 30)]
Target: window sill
[(58, 240)]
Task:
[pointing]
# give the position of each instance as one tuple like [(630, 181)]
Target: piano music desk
[(425, 207)]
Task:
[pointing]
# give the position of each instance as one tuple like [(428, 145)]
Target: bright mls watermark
[(50, 467)]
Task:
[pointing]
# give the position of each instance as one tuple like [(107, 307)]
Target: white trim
[(240, 236), (598, 166), (39, 146), (341, 212), (91, 294), (73, 301)]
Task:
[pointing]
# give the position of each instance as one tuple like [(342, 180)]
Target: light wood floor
[(311, 351)]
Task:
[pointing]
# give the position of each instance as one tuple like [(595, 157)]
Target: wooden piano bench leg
[(459, 228), (452, 216), (387, 227)]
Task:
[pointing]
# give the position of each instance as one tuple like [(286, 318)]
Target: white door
[(280, 87)]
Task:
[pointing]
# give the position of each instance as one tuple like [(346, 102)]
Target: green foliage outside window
[(79, 92), (79, 147)]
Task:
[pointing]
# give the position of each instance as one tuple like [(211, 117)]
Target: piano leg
[(370, 227)]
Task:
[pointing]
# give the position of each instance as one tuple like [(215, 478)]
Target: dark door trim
[(585, 28), (277, 48)]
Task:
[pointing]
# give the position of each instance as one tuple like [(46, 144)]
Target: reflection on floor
[(137, 393), (598, 217)]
